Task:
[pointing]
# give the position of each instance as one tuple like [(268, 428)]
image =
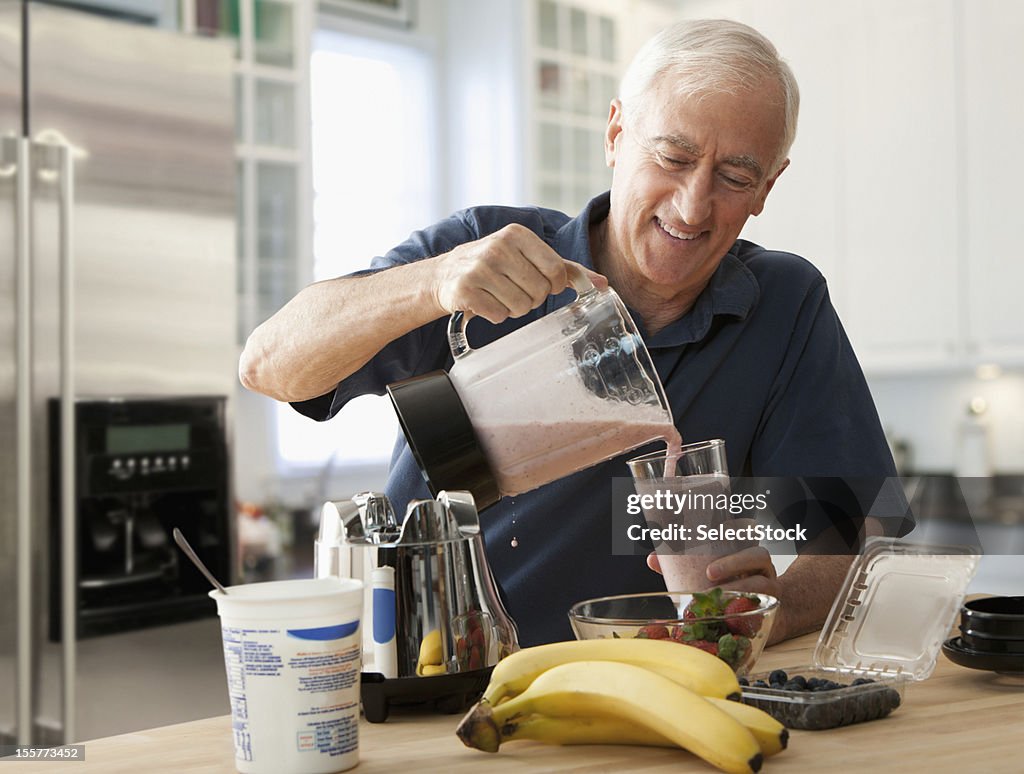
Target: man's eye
[(668, 161), (735, 182)]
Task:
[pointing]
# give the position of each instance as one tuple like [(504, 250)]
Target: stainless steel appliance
[(436, 625), (117, 209), (143, 466)]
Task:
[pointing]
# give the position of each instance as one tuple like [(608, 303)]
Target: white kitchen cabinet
[(540, 141), (898, 184), (272, 47), (573, 57), (993, 118), (903, 177), (802, 214)]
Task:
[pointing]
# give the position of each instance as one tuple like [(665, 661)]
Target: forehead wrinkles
[(762, 96)]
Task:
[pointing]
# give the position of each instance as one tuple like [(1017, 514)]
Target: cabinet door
[(573, 57), (898, 185), (994, 171), (802, 214)]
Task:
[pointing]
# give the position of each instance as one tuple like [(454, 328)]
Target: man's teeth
[(672, 232)]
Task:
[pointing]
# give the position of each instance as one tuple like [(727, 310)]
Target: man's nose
[(692, 198)]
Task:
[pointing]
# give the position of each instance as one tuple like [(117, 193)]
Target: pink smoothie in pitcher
[(540, 413), (525, 455)]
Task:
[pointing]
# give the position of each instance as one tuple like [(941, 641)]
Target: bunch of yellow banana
[(636, 691)]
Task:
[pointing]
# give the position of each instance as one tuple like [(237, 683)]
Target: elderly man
[(745, 340)]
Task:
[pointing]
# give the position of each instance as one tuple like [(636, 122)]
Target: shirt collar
[(732, 291), (573, 239)]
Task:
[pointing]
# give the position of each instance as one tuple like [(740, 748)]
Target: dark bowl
[(984, 643), (1002, 663), (993, 618)]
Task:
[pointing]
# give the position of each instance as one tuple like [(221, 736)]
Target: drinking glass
[(680, 489)]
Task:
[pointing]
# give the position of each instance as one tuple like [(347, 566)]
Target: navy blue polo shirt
[(760, 360)]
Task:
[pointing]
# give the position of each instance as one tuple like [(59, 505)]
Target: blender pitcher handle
[(579, 280)]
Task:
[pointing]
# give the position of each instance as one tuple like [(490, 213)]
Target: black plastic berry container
[(894, 611)]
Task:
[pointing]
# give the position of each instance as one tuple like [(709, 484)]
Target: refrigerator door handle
[(69, 488), (57, 168), (24, 609)]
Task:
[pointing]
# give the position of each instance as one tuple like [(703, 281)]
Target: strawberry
[(653, 632), (733, 649), (748, 625), (705, 645)]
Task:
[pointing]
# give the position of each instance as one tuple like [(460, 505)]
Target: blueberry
[(800, 680), (760, 684), (793, 685), (778, 676), (833, 711), (744, 682), (862, 681)]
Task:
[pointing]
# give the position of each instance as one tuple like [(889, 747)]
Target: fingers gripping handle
[(579, 280)]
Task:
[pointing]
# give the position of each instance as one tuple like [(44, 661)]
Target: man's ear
[(763, 195), (612, 132)]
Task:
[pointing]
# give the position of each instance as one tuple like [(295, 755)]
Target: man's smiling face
[(688, 172)]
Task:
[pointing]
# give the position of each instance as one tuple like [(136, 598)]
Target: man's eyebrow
[(681, 142), (744, 161)]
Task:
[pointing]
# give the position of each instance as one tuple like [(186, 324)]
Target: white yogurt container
[(292, 653)]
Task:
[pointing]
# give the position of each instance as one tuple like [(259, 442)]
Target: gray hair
[(711, 56)]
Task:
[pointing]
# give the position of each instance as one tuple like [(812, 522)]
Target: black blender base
[(446, 694)]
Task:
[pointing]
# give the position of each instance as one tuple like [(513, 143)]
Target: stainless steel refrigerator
[(117, 278)]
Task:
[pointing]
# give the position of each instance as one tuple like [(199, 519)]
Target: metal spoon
[(191, 554)]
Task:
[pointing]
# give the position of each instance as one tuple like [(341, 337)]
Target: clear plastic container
[(818, 710), (896, 607)]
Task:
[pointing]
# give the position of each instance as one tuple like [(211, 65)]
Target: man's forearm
[(809, 587), (331, 329)]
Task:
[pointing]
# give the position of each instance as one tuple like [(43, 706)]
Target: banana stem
[(478, 728)]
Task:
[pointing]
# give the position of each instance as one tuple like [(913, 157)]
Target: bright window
[(375, 178)]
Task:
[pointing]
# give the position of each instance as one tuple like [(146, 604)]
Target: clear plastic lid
[(896, 608)]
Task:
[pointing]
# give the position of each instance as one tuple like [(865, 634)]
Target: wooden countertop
[(959, 720)]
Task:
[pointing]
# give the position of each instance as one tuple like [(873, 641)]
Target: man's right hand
[(502, 275), (332, 328)]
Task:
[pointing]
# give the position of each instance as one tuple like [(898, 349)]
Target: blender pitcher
[(558, 395)]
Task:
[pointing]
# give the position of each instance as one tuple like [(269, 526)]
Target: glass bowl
[(692, 619)]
